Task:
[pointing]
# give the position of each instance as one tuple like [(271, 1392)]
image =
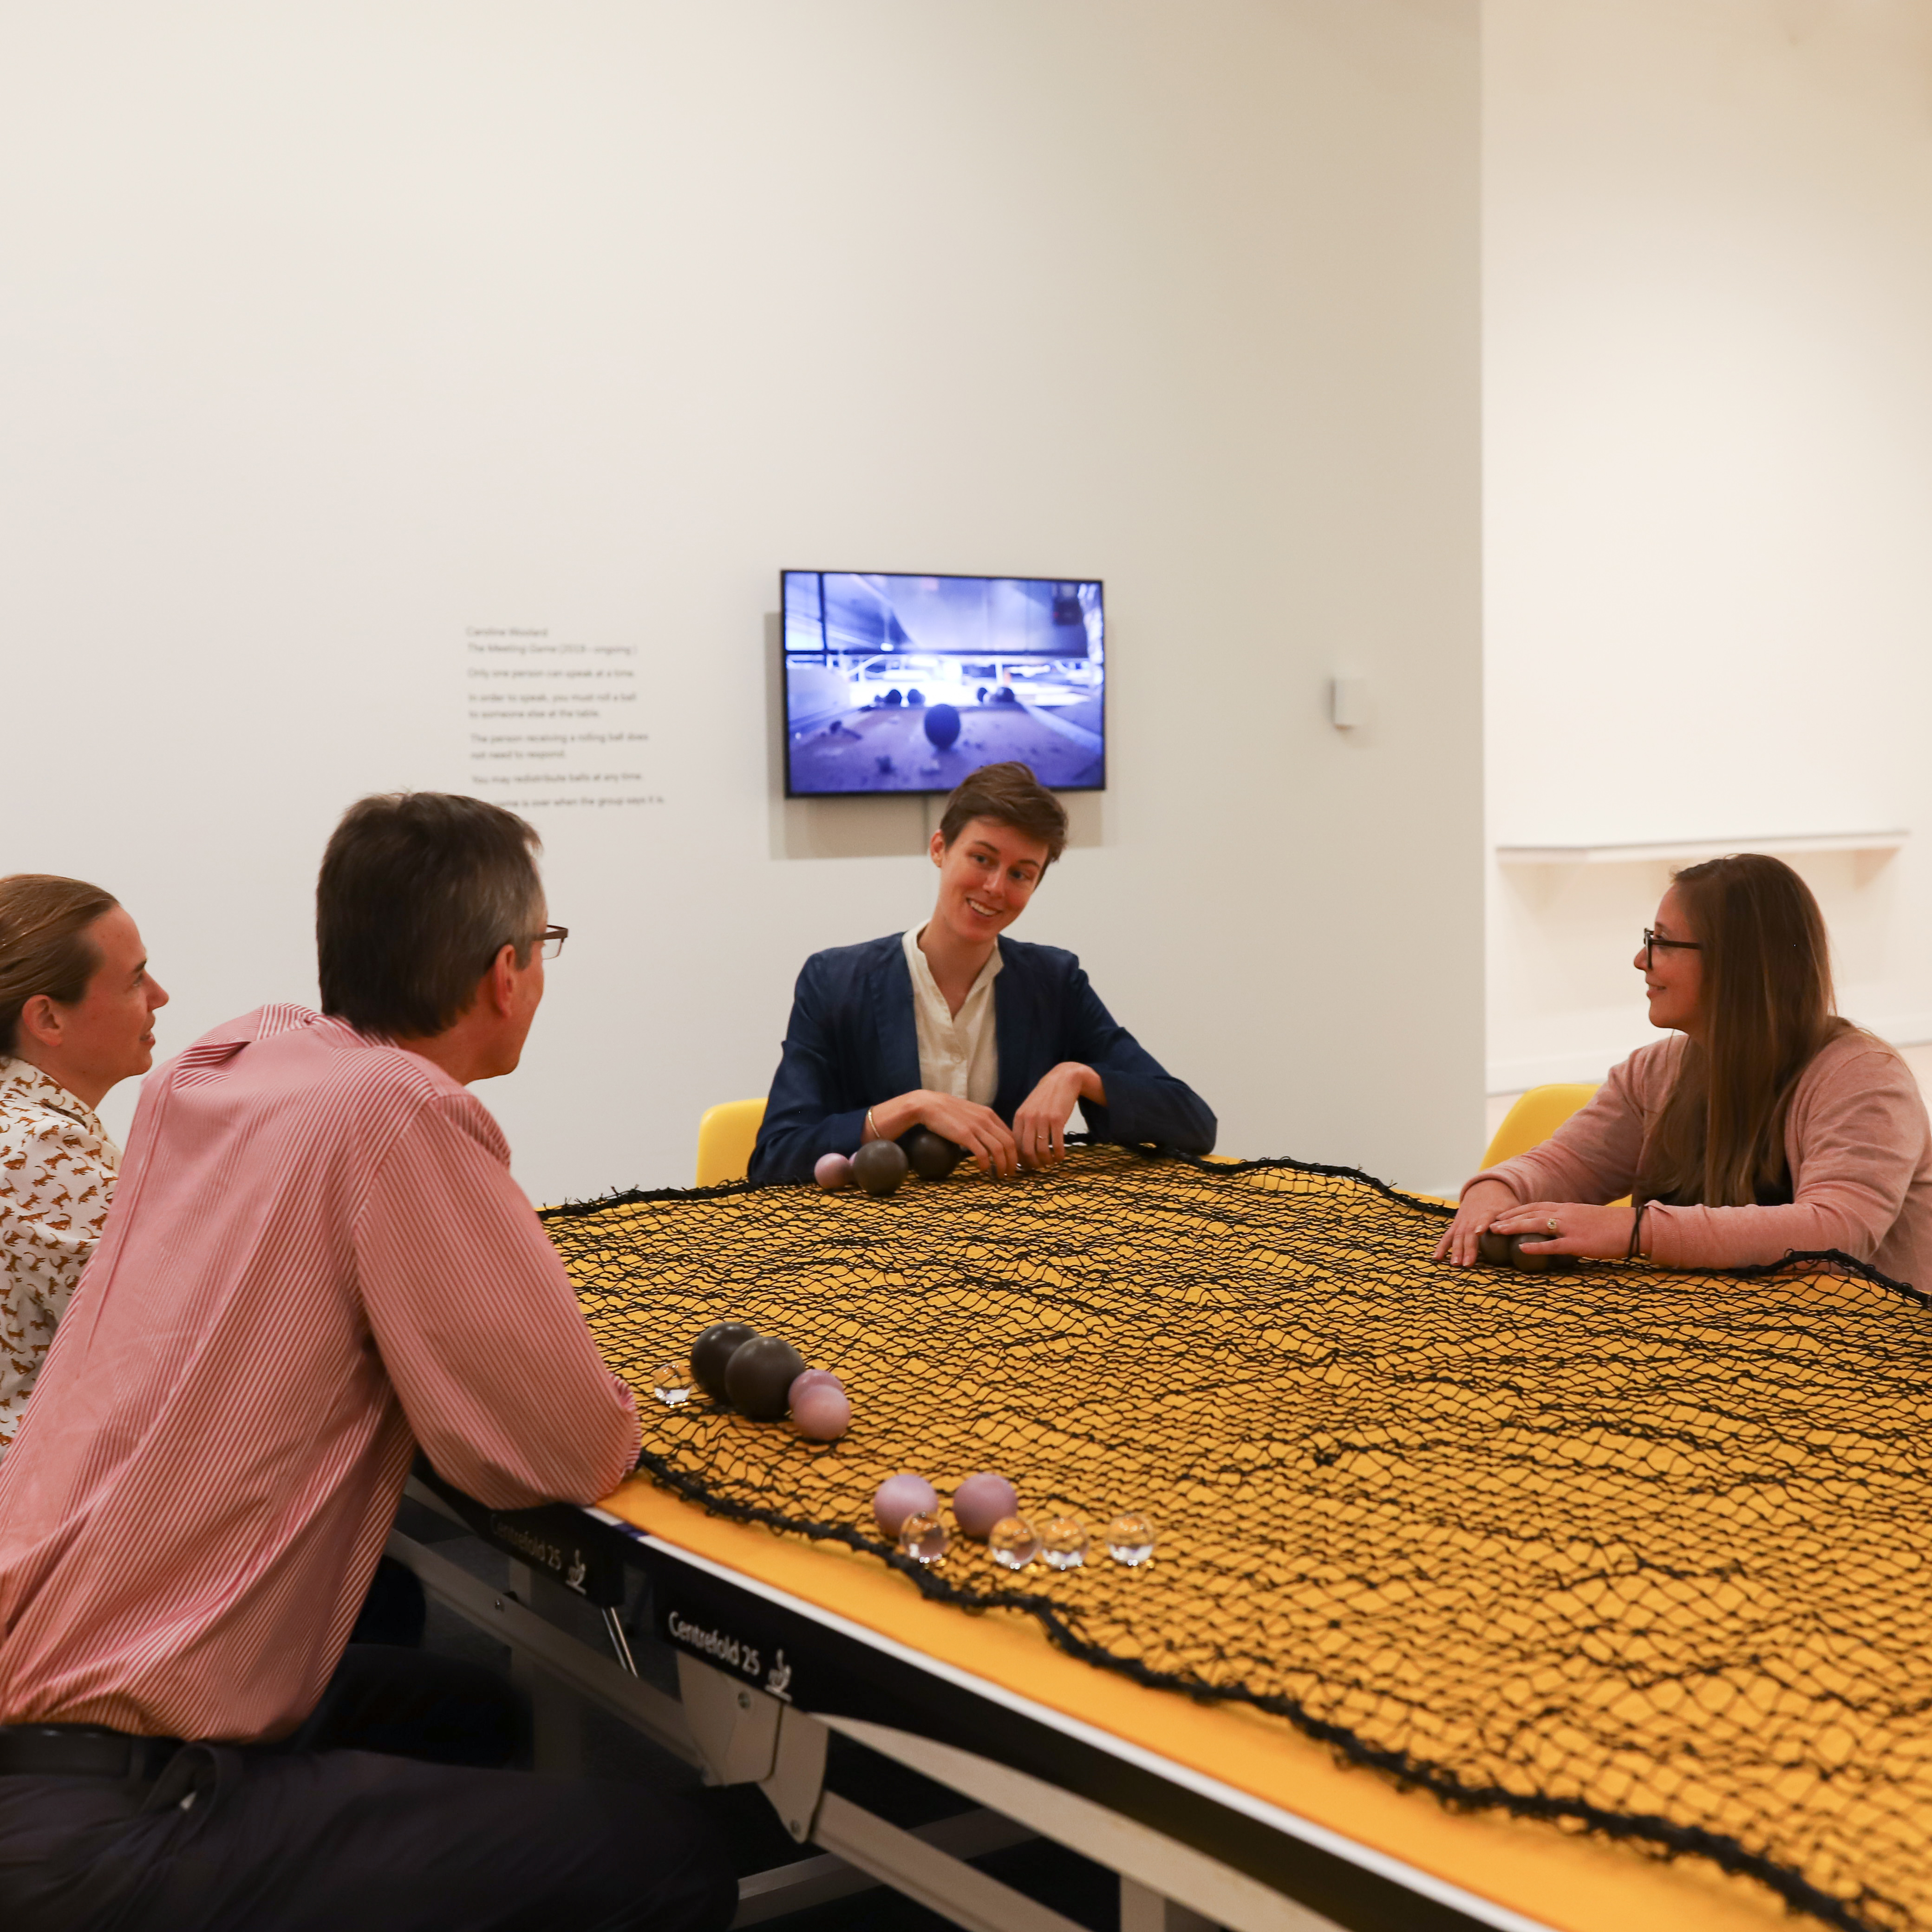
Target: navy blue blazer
[(852, 1043)]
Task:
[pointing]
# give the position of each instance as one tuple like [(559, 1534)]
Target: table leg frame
[(736, 1734), (556, 1669), (537, 1645)]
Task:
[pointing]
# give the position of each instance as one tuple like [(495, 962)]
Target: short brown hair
[(43, 944), (419, 891), (1009, 793)]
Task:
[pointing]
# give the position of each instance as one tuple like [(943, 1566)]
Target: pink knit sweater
[(1856, 1137)]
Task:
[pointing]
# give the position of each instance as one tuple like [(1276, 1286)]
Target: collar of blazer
[(896, 1035), (1015, 1028)]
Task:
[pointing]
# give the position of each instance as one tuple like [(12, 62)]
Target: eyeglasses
[(550, 939), (1651, 942)]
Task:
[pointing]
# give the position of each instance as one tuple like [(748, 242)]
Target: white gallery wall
[(1708, 353), (335, 335)]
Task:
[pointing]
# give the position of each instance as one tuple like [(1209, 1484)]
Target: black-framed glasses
[(550, 939), (1651, 941)]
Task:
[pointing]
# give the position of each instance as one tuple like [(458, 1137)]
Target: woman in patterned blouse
[(76, 1017)]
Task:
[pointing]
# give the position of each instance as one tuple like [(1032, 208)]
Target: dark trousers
[(395, 1610), (349, 1826)]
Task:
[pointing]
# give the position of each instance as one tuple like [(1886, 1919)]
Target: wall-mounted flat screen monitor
[(903, 683)]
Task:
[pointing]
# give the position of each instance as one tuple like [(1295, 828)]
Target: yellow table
[(1696, 1505)]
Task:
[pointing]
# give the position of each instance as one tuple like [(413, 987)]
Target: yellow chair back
[(726, 1135), (1535, 1116)]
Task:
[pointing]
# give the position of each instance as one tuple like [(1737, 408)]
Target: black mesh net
[(1634, 1551)]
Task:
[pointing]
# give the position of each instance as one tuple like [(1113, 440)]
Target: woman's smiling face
[(986, 876), (1673, 975)]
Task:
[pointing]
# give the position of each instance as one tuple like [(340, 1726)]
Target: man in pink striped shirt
[(317, 1263)]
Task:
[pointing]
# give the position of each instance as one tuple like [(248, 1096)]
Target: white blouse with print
[(57, 1170)]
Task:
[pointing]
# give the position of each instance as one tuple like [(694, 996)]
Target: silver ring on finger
[(1551, 1224)]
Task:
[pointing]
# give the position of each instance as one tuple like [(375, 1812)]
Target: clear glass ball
[(670, 1383), (1011, 1542), (1062, 1542), (923, 1538), (1130, 1538)]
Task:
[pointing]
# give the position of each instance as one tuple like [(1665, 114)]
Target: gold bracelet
[(872, 1125)]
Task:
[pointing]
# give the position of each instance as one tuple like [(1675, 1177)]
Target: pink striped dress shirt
[(316, 1261)]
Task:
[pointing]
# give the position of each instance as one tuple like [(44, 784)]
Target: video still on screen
[(905, 683)]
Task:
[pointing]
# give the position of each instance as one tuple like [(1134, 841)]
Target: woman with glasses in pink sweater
[(1766, 1125)]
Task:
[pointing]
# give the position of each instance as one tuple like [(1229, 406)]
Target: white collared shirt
[(958, 1053), (57, 1170)]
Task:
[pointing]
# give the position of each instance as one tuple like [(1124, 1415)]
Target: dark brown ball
[(1494, 1249), (933, 1156), (879, 1166), (759, 1376), (713, 1350), (1533, 1262)]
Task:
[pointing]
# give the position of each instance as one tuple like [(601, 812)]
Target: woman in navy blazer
[(851, 1068)]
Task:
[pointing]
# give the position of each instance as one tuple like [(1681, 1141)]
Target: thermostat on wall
[(1348, 702)]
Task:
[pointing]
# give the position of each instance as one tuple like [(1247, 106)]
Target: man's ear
[(39, 1021), (936, 846), (499, 982)]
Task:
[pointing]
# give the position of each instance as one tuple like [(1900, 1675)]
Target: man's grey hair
[(419, 892)]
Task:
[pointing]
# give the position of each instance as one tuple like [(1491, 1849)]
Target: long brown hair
[(43, 944), (1767, 1007)]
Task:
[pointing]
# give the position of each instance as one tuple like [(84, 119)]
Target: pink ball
[(833, 1170), (981, 1501), (823, 1412), (900, 1496), (810, 1379)]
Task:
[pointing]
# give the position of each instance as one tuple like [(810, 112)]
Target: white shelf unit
[(1675, 851)]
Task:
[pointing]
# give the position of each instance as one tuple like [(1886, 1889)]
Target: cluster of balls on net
[(764, 1378), (985, 1508), (879, 1166)]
